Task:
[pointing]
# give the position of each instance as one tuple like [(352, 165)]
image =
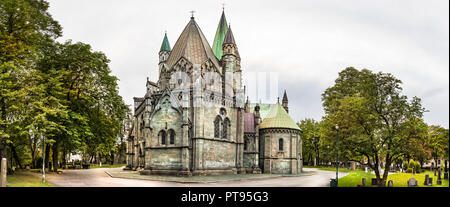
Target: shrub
[(417, 167), (409, 170)]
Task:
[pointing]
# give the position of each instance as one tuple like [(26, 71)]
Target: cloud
[(306, 42)]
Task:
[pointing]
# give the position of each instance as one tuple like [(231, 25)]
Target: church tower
[(285, 102), (164, 53), (231, 64)]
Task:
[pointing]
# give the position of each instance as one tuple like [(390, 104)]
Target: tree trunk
[(16, 157), (47, 157), (55, 156), (64, 159)]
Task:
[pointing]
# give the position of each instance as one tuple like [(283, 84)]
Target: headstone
[(439, 181), (390, 183), (430, 181), (374, 181), (426, 179), (3, 173), (364, 182), (412, 182), (366, 169)]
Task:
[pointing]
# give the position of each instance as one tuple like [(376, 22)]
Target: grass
[(400, 179), (328, 168), (108, 166), (22, 179)]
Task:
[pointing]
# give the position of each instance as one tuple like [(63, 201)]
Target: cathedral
[(195, 121)]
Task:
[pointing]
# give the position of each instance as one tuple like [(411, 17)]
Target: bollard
[(3, 173)]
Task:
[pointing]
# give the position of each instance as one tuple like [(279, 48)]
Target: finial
[(223, 6), (192, 12)]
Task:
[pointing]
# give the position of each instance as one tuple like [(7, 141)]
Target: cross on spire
[(223, 6), (192, 12)]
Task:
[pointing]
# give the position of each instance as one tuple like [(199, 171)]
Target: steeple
[(165, 44), (285, 102), (229, 44), (221, 31)]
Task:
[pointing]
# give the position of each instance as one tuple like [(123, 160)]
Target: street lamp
[(334, 182), (43, 158), (337, 154)]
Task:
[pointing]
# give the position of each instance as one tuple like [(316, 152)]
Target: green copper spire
[(222, 30), (165, 45)]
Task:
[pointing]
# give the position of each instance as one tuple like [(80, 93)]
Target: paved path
[(98, 178)]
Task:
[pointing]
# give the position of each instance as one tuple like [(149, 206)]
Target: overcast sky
[(307, 42)]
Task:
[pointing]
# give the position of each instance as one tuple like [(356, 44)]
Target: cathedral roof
[(221, 31), (278, 118), (264, 109), (229, 38), (165, 44), (193, 46)]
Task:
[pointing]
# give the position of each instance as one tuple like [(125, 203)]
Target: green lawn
[(400, 179), (21, 179), (108, 166), (328, 168)]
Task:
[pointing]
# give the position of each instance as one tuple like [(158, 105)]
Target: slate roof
[(193, 46), (278, 118)]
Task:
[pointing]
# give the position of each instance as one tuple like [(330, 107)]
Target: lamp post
[(43, 158), (337, 154), (334, 182)]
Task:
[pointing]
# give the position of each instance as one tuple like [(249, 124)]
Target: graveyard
[(400, 179)]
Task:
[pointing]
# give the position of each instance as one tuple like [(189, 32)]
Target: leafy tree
[(371, 114), (311, 140)]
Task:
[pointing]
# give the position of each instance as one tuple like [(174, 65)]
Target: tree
[(24, 24), (311, 140), (372, 115)]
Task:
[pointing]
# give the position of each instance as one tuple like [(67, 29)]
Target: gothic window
[(226, 124), (180, 96), (245, 144), (171, 136), (211, 96), (162, 135), (280, 144), (217, 124)]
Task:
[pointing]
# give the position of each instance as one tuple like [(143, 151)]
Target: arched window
[(217, 125), (171, 136), (245, 144), (162, 135), (280, 144), (226, 124)]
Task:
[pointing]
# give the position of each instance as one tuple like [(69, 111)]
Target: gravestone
[(364, 182), (430, 181), (426, 179), (366, 169), (390, 183), (439, 181), (412, 182), (374, 181)]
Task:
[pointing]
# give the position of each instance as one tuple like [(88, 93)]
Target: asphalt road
[(98, 178)]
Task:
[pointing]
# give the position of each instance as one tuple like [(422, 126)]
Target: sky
[(305, 42)]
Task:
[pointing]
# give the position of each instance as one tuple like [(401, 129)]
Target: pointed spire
[(221, 31), (285, 99), (165, 44), (229, 37)]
